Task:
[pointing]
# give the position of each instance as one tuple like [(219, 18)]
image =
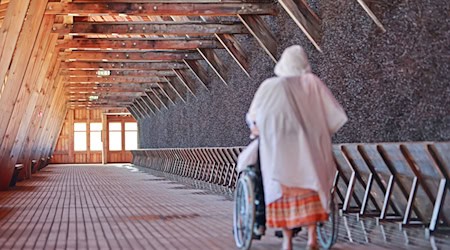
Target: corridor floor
[(123, 207)]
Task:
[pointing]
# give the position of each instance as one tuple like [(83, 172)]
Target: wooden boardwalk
[(119, 207)]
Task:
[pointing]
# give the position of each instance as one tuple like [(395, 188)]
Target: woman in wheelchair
[(294, 115)]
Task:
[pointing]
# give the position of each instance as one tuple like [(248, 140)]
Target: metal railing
[(404, 182)]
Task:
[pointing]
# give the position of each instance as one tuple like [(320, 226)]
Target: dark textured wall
[(394, 86)]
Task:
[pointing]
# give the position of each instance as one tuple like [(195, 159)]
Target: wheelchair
[(249, 212)]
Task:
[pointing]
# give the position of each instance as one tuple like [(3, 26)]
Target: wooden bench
[(15, 176)]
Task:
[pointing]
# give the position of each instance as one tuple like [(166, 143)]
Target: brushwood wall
[(394, 86)]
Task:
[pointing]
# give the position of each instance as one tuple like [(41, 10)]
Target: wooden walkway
[(119, 207)]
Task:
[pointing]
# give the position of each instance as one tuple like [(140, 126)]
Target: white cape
[(296, 116)]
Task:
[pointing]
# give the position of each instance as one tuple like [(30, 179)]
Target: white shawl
[(296, 115)]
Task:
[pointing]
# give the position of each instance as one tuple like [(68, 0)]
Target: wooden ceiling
[(146, 54), (153, 52)]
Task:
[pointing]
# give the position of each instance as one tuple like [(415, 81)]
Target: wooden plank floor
[(119, 207)]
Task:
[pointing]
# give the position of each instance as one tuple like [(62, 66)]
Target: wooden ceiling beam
[(215, 62), (176, 86), (129, 56), (111, 85), (113, 79), (159, 97), (167, 91), (198, 71), (92, 91), (174, 1), (150, 104), (162, 96), (185, 80), (305, 18), (160, 9), (123, 66), (108, 45), (259, 29), (147, 28), (232, 45), (103, 96), (148, 108), (138, 109), (136, 73), (151, 98), (132, 111)]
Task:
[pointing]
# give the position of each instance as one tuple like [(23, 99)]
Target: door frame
[(105, 132)]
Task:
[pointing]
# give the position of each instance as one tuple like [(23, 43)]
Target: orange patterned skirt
[(297, 207)]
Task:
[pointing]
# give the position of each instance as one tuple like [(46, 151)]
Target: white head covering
[(293, 62)]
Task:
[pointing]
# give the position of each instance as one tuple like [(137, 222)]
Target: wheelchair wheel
[(244, 212), (327, 231)]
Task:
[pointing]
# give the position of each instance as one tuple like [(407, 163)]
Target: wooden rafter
[(305, 18), (159, 96), (122, 66), (198, 71), (101, 44), (114, 79), (172, 82), (371, 14), (140, 101), (128, 56), (149, 102), (136, 73), (167, 91), (150, 28), (161, 9), (232, 45), (216, 64), (186, 80), (139, 110), (261, 32), (155, 101)]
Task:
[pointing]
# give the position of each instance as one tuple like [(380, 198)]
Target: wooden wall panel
[(32, 41), (64, 149)]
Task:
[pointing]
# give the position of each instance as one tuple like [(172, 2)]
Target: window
[(80, 136), (131, 135), (115, 136), (95, 136)]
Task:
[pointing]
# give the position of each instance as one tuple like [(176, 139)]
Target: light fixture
[(93, 97), (103, 72)]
